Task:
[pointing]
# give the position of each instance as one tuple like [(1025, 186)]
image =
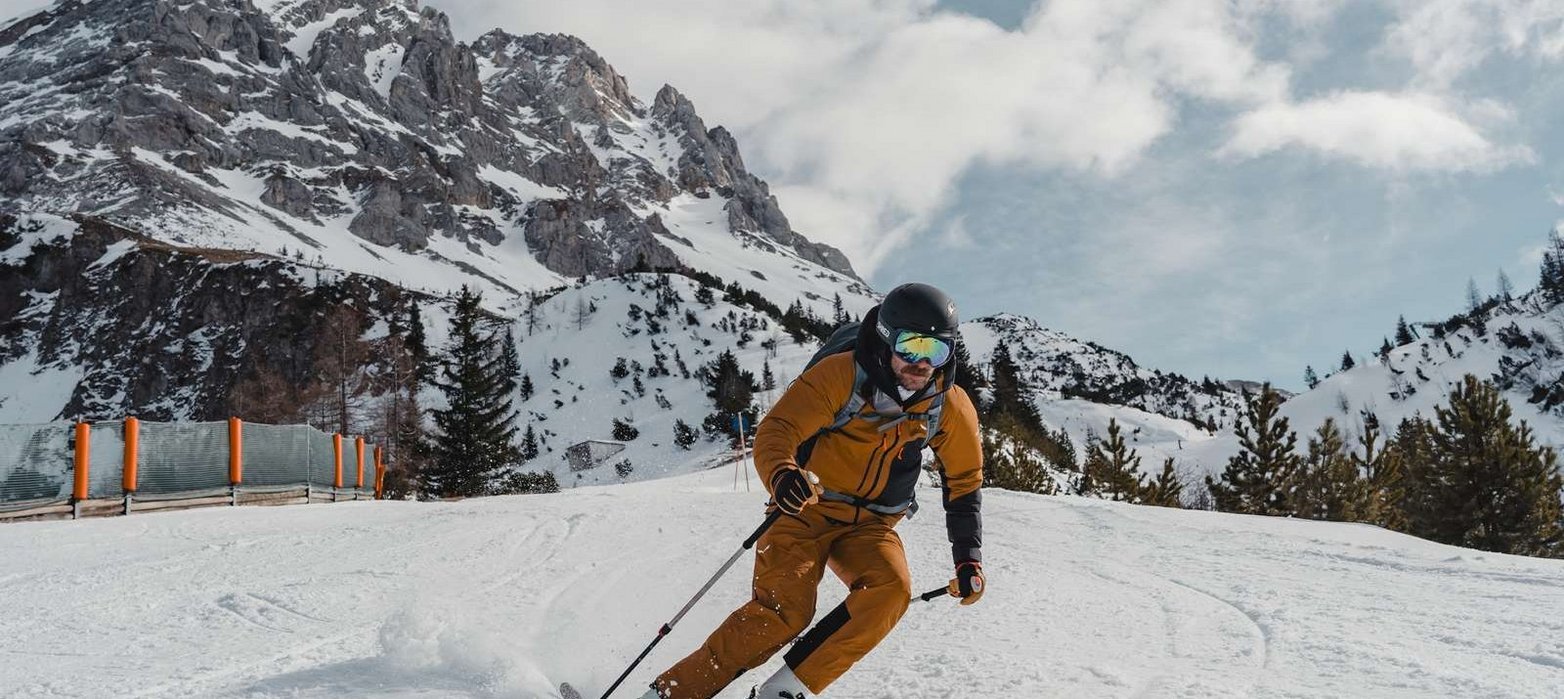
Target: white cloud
[(880, 106), (956, 236), (1447, 39), (1402, 132), (864, 114)]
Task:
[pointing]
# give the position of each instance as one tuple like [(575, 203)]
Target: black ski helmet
[(919, 308)]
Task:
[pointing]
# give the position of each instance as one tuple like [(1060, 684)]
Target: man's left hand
[(968, 583)]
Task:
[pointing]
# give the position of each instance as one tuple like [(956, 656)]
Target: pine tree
[(1381, 466), (1346, 360), (529, 444), (968, 375), (768, 381), (532, 312), (1487, 484), (1413, 442), (1403, 332), (1261, 477), (1007, 381), (1009, 466), (1552, 281), (1474, 298), (1330, 486), (729, 387), (1310, 378), (1166, 490), (683, 434), (838, 311), (475, 438), (526, 387), (1114, 467), (624, 430), (417, 343), (1505, 289), (510, 361), (1384, 349)]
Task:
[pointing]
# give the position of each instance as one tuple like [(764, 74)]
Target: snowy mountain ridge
[(362, 136), (1518, 344), (187, 187)]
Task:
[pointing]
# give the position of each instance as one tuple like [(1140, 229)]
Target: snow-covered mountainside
[(1517, 344), (360, 135), (164, 165), (190, 191), (508, 596), (1079, 386)]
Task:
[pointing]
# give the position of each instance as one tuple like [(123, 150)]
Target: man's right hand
[(794, 489)]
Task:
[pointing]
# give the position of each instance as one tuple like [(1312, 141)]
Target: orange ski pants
[(790, 559)]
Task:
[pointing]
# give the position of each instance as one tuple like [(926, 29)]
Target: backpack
[(845, 339)]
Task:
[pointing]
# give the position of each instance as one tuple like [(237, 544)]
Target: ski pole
[(931, 594), (663, 632)]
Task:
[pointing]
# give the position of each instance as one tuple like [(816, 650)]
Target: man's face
[(911, 376)]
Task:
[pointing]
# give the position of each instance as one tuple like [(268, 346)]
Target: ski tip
[(568, 692)]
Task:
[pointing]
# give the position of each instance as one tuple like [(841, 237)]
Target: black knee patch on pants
[(832, 623)]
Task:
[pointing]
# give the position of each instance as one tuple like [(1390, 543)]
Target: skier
[(840, 453)]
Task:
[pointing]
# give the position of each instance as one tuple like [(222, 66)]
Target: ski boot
[(782, 685)]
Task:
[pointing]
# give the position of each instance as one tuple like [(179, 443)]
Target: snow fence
[(77, 469)]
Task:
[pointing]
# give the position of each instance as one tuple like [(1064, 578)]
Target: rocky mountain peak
[(302, 120)]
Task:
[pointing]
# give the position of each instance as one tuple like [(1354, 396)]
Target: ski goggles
[(915, 347)]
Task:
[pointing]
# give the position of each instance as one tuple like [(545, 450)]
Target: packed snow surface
[(506, 597)]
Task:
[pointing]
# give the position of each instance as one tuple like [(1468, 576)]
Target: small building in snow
[(591, 453)]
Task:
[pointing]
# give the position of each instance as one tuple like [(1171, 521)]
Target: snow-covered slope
[(1519, 345), (505, 597), (654, 325), (1079, 387)]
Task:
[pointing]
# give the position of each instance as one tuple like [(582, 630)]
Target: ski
[(568, 692)]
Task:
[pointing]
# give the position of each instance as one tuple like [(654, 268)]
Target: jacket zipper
[(869, 465)]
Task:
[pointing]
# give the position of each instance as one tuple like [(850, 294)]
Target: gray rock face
[(173, 329), (363, 110)]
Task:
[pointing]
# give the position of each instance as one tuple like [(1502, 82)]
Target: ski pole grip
[(931, 594), (770, 520)]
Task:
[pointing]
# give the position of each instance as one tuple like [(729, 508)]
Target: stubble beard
[(912, 379)]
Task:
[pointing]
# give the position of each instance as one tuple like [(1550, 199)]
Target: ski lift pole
[(743, 454), (663, 632)]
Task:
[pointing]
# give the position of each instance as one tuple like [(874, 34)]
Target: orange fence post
[(336, 448), (82, 464), (380, 473), (359, 447), (235, 451), (132, 439), (235, 459)]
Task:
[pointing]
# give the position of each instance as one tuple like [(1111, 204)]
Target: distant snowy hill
[(508, 596), (1080, 386), (1517, 344)]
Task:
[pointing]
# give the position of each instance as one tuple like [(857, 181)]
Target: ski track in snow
[(506, 597)]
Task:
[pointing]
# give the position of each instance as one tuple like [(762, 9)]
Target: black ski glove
[(794, 488)]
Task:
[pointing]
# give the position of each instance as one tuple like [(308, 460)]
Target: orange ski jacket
[(860, 460)]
